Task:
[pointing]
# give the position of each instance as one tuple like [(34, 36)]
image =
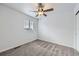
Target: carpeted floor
[(41, 48)]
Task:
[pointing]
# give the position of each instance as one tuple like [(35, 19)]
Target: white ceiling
[(27, 8)]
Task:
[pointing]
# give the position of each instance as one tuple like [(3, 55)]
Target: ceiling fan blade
[(51, 9), (44, 14)]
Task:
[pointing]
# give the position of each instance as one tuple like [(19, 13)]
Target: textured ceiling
[(27, 8)]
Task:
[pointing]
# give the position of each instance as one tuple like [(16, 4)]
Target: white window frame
[(28, 24)]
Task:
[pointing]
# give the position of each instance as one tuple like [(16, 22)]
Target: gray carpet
[(41, 48)]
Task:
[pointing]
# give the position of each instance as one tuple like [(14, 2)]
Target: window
[(31, 25), (28, 24)]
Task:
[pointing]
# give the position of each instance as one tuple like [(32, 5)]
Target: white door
[(77, 21)]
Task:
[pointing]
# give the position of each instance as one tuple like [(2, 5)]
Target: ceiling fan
[(40, 10)]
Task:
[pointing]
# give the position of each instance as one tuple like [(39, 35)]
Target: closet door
[(77, 30)]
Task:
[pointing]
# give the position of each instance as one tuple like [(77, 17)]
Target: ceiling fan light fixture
[(40, 13)]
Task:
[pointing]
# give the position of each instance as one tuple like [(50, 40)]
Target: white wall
[(12, 31), (58, 28), (77, 26)]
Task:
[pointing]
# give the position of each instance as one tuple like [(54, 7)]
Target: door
[(77, 30)]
